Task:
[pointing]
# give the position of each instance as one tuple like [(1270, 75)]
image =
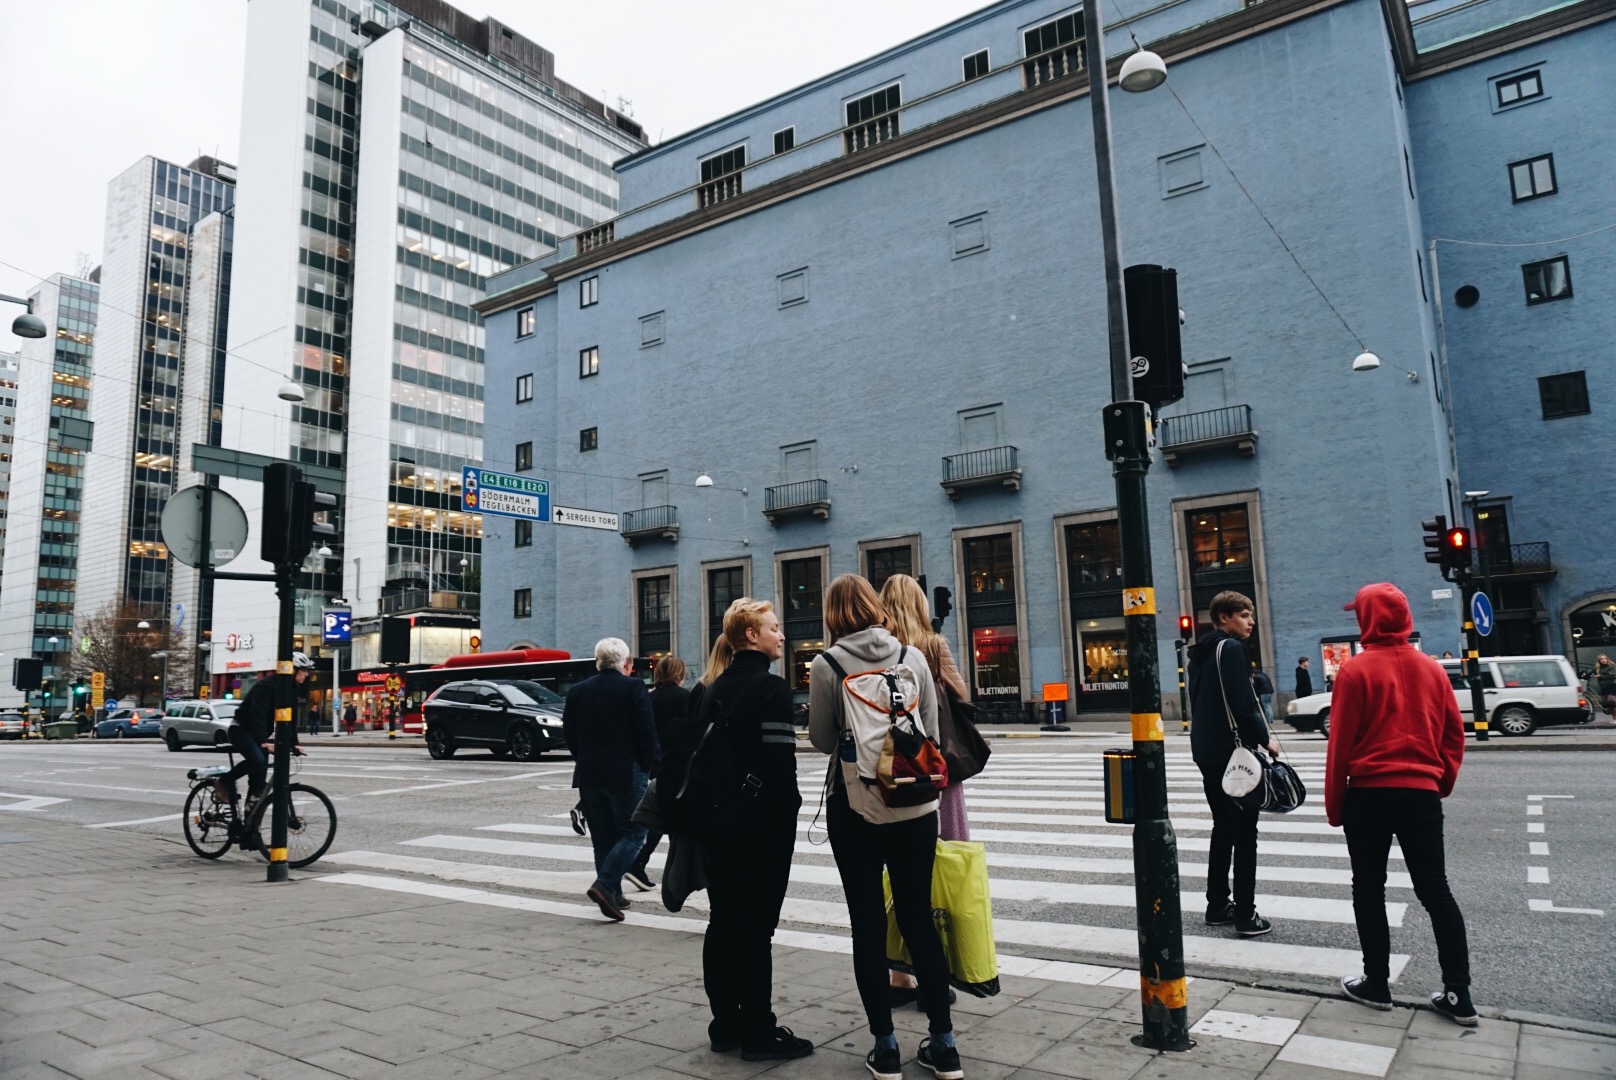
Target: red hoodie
[(1394, 722)]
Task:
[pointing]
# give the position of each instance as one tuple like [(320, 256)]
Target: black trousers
[(747, 876), (254, 763), (1234, 839), (1370, 818), (652, 839), (906, 850)]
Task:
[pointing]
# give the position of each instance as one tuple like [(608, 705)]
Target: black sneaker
[(1220, 916), (1253, 925), (778, 1045), (1454, 1003), (606, 903), (578, 824), (722, 1040), (638, 878), (940, 1059), (884, 1063), (1366, 991)]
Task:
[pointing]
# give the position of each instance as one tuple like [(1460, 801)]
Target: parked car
[(129, 724), (1523, 693), (510, 717), (198, 723), (13, 725)]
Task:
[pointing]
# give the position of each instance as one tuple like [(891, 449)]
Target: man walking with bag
[(1222, 702), (1396, 743)]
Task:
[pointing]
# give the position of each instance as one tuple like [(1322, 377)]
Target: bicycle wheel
[(309, 832), (209, 823)]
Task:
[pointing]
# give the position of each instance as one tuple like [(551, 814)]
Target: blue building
[(861, 327)]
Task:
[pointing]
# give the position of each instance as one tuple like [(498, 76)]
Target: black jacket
[(668, 703), (1211, 741), (757, 703), (1260, 681), (1304, 681), (256, 716), (609, 729)]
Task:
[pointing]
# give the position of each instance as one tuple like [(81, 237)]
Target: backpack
[(707, 784), (883, 745)]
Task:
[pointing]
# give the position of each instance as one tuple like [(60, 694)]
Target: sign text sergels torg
[(484, 491)]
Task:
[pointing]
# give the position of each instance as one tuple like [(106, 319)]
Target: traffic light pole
[(1472, 663), (1164, 1004), (1183, 690)]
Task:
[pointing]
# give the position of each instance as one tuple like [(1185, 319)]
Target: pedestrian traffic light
[(1436, 531), (1186, 627), (1153, 334), (1456, 550)]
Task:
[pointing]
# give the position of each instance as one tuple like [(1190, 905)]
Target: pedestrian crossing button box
[(1119, 786)]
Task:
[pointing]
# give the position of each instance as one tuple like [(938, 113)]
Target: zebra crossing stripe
[(1180, 822)]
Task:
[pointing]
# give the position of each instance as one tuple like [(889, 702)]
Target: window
[(1053, 50), (886, 561), (523, 604), (1220, 539), (524, 388), (725, 585), (524, 533), (655, 610), (524, 322), (1093, 557), (872, 118), (1531, 673), (588, 439), (803, 591), (721, 176), (990, 568), (785, 139), (1532, 178), (524, 456), (1516, 89), (589, 361), (589, 292), (1548, 280), (976, 65), (1564, 395)]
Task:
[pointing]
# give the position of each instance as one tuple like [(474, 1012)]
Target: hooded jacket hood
[(873, 645), (1383, 614)]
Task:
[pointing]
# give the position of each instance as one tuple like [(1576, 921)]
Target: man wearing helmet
[(252, 736)]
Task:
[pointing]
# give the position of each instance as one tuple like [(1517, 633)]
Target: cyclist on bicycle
[(252, 736)]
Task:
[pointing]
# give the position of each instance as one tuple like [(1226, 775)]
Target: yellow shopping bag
[(963, 914)]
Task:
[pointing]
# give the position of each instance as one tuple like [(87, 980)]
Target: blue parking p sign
[(337, 626)]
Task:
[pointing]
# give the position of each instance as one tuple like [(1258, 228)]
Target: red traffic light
[(1458, 538), (1186, 626)]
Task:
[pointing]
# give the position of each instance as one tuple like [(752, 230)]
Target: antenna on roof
[(625, 106)]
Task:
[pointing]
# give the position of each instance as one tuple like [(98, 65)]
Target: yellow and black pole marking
[(1472, 662), (1183, 688), (1163, 1006)]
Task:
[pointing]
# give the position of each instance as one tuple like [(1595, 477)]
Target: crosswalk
[(1061, 876)]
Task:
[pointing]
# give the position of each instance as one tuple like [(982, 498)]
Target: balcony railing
[(1230, 426), (716, 191), (803, 497), (995, 465), (598, 237), (653, 522), (870, 132), (1532, 558), (1055, 64), (412, 600)]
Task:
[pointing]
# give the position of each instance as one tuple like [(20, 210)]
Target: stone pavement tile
[(1097, 1055), (32, 980), (75, 1058), (208, 1066), (439, 1067), (1100, 997), (649, 1008), (1269, 1003), (585, 1029), (1353, 1030), (1237, 1054), (134, 1024), (216, 1007), (1542, 1046), (248, 1029), (398, 1047), (401, 1017), (1549, 1072), (512, 1051), (1428, 1024), (24, 1004), (617, 1057), (969, 1005), (655, 1072), (823, 1021), (1183, 1067), (1353, 1013), (291, 1069), (1448, 1056), (544, 1003), (1039, 1023), (1290, 1070), (707, 1065), (345, 1062), (689, 1032), (1407, 1070), (377, 996)]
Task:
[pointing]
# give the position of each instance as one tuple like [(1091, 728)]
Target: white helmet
[(301, 661)]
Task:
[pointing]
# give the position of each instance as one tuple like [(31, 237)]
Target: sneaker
[(1454, 1003), (940, 1059), (638, 878), (252, 804), (885, 1063), (778, 1045), (1366, 991), (721, 1039), (607, 907), (1220, 916), (1253, 926), (578, 824)]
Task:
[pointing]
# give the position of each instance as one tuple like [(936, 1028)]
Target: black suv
[(511, 717)]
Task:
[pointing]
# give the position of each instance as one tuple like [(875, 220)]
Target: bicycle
[(213, 824)]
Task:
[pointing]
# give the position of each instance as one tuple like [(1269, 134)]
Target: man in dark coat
[(610, 730), (1218, 677), (1304, 678)]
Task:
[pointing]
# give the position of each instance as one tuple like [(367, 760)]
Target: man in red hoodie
[(1396, 741)]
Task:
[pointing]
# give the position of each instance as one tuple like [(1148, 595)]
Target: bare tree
[(113, 642)]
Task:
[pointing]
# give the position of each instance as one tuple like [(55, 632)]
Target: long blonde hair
[(908, 614), (717, 661)]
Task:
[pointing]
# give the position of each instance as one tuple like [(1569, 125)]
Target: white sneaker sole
[(1382, 1006)]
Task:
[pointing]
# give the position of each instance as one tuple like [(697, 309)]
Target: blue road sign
[(484, 491), (111, 705), (1481, 613), (337, 626)]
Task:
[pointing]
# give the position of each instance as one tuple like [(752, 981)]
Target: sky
[(92, 86)]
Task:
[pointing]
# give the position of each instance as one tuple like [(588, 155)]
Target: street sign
[(1056, 691), (182, 527), (111, 704), (586, 519), (484, 491), (336, 626), (98, 689), (1441, 594), (1481, 613)]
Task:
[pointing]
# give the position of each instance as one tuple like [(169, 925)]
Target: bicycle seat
[(208, 773)]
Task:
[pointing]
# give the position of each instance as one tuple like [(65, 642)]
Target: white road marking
[(460, 783), (1537, 875), (1338, 1054), (1540, 798), (29, 802), (1548, 905), (98, 787), (136, 821), (1272, 1030), (1534, 826), (1535, 810), (1537, 847), (1022, 802), (1179, 822)]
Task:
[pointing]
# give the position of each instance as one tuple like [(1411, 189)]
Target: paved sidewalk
[(123, 955)]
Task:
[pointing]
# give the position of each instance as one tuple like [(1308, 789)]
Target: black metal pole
[(204, 593), (1163, 1002), (1472, 663), (1183, 688), (285, 698)]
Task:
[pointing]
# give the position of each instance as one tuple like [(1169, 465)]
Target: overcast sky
[(91, 86)]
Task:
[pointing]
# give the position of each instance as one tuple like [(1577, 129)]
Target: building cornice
[(1196, 41), (1551, 24)]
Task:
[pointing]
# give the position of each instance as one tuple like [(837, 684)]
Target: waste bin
[(61, 729)]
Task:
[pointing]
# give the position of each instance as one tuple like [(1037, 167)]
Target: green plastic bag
[(963, 914)]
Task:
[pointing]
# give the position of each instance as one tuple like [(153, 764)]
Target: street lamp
[(27, 325), (163, 654), (143, 625), (1163, 1004)]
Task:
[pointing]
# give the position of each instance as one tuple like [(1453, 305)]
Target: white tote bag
[(1244, 772)]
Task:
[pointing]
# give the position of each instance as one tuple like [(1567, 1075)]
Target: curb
[(1333, 990)]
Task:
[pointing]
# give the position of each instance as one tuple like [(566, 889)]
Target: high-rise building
[(52, 440), (10, 366), (394, 154)]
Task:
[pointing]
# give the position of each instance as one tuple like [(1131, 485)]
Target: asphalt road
[(1060, 876)]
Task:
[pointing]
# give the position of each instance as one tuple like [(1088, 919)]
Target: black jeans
[(747, 876), (1234, 833), (652, 839), (615, 838), (1371, 817), (254, 763), (907, 850)]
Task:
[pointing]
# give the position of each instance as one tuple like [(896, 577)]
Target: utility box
[(1119, 786)]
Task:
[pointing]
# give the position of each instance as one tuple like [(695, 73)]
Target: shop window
[(803, 588), (655, 615), (990, 568), (996, 661), (882, 563), (1093, 557)]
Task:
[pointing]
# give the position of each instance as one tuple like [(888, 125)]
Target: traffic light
[(27, 672), (306, 503), (1153, 334), (1456, 550), (79, 689), (288, 527), (942, 602), (1436, 531), (1186, 627)]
